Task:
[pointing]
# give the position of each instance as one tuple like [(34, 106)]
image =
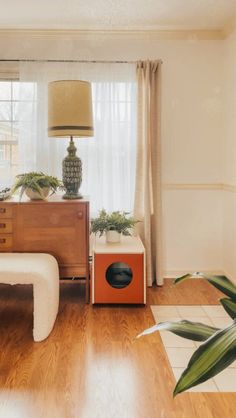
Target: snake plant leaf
[(220, 282), (186, 329), (182, 278), (224, 285), (213, 355), (229, 306)]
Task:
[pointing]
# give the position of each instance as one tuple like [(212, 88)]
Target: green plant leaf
[(36, 181), (220, 282), (115, 221), (186, 329), (224, 285), (22, 191), (229, 306), (182, 278), (214, 355)]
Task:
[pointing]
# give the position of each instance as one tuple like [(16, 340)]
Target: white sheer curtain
[(108, 158)]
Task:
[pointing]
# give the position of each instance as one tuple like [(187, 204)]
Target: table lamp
[(70, 114)]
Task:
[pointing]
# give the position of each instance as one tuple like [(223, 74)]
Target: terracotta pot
[(35, 195), (113, 236)]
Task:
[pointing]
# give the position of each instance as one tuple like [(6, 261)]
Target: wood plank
[(91, 366), (189, 292)]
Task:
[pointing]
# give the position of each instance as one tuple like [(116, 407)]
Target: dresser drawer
[(5, 211), (51, 216), (57, 229), (5, 226), (5, 242)]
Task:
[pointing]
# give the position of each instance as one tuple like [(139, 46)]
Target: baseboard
[(173, 274), (230, 277)]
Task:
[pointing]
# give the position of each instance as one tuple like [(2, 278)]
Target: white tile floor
[(179, 350)]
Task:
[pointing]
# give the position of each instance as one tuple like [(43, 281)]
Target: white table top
[(127, 245)]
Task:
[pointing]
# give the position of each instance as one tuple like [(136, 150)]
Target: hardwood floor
[(91, 366)]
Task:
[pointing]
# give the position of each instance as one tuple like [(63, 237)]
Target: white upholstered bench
[(40, 270)]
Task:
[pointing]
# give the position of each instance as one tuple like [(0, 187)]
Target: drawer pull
[(2, 225), (80, 214), (2, 210), (2, 240)]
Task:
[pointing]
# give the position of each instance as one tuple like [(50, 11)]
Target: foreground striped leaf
[(214, 355), (186, 329), (229, 306), (220, 282), (224, 285)]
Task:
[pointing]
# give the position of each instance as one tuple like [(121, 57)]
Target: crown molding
[(178, 35)]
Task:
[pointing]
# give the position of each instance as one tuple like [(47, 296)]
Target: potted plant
[(218, 349), (113, 225), (36, 185)]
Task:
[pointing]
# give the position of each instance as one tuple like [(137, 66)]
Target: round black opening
[(119, 275)]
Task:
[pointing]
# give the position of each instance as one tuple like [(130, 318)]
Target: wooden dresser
[(54, 226)]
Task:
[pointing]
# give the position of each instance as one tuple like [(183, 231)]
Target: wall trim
[(229, 28), (192, 186), (229, 188), (173, 274), (200, 186), (158, 34)]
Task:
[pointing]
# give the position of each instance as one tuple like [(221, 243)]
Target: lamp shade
[(70, 108)]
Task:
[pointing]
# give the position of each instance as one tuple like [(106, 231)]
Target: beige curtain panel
[(147, 204)]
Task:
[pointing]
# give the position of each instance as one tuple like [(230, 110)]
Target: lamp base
[(72, 196), (72, 173)]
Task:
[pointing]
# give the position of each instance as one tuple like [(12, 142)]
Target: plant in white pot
[(36, 185), (113, 225)]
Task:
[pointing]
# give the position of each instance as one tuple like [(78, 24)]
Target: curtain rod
[(81, 61)]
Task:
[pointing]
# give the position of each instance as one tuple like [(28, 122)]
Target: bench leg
[(46, 301)]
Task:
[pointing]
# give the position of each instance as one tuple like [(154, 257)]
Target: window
[(9, 127), (9, 97), (108, 159)]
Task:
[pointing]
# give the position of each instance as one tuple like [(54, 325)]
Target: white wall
[(229, 153), (191, 132)]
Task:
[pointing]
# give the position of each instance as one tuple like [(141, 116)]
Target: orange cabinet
[(118, 273)]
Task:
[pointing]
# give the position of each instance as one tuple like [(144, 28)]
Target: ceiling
[(117, 14)]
